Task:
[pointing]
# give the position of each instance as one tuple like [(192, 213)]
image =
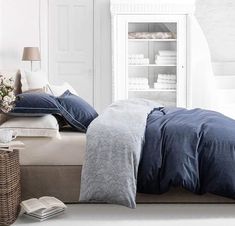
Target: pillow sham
[(33, 80), (77, 112), (59, 90), (45, 126), (35, 104)]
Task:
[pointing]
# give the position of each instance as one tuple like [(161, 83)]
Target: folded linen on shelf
[(138, 61), (136, 56), (167, 53), (167, 81), (138, 80), (138, 83), (151, 35), (158, 57), (164, 86), (167, 76), (165, 62), (165, 57)]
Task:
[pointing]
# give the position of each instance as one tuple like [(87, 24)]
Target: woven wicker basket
[(9, 187)]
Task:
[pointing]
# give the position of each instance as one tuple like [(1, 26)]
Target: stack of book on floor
[(43, 208), (10, 146)]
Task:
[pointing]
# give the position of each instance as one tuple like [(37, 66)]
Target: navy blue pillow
[(77, 112), (35, 104)]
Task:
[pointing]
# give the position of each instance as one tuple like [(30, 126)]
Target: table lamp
[(31, 54)]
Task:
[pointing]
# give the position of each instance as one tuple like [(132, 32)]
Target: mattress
[(69, 149)]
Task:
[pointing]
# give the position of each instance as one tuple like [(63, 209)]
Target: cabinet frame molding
[(149, 11)]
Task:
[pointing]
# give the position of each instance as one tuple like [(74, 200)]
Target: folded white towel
[(142, 80), (136, 56), (166, 81), (138, 61), (158, 57), (167, 53), (165, 62), (164, 86), (138, 87), (136, 82), (167, 76)]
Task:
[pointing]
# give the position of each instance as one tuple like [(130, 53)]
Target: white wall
[(103, 54), (20, 27), (216, 18)]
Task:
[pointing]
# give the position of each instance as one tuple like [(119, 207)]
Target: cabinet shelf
[(152, 90), (151, 65), (151, 40)]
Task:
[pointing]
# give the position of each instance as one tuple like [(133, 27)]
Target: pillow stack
[(76, 111), (45, 126), (40, 104)]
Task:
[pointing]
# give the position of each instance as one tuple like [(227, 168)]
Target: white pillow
[(32, 80), (44, 126), (59, 90)]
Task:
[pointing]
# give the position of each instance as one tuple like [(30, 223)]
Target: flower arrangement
[(7, 96)]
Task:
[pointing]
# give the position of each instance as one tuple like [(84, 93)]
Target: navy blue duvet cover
[(192, 149)]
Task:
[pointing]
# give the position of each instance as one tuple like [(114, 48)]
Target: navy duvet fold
[(193, 149)]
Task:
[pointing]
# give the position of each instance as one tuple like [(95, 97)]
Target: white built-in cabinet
[(148, 64)]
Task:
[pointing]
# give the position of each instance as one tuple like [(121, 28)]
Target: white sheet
[(68, 150)]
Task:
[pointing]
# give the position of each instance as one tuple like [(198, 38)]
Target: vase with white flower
[(7, 95)]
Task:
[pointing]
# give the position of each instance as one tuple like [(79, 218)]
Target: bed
[(53, 166), (44, 172)]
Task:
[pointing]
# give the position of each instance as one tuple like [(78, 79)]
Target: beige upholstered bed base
[(63, 182)]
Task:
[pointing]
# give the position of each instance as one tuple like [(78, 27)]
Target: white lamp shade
[(31, 54)]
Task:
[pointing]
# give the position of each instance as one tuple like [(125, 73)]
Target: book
[(13, 145), (43, 208), (32, 216)]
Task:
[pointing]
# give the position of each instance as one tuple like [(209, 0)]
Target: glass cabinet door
[(152, 62), (149, 58)]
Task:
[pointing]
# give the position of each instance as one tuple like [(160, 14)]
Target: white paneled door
[(71, 45)]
